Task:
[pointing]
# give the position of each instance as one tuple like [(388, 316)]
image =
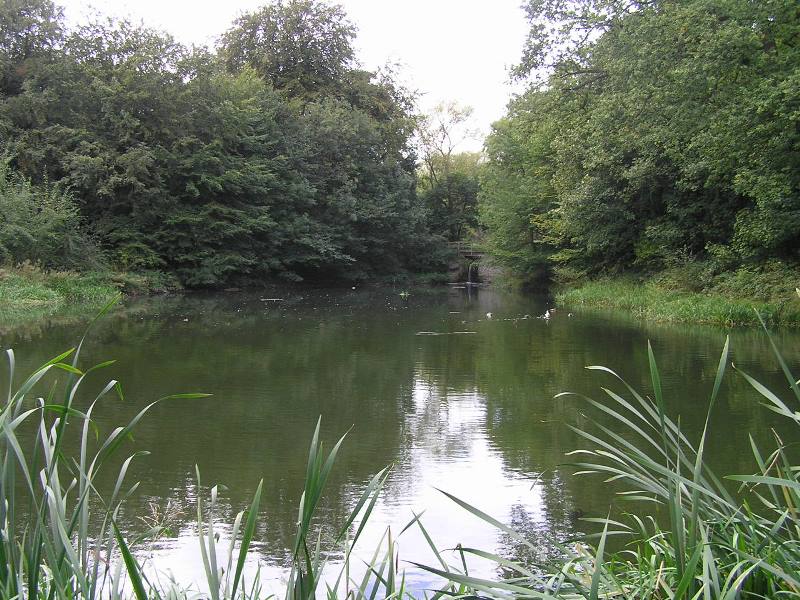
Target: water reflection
[(473, 415)]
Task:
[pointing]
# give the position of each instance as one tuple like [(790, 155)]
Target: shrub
[(42, 224)]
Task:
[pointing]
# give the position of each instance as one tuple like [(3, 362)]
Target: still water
[(453, 398)]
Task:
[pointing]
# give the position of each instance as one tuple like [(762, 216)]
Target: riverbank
[(654, 300), (27, 292)]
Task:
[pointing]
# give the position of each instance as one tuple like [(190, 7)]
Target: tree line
[(653, 134), (272, 155)]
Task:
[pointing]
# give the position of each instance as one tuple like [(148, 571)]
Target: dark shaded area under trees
[(274, 156), (658, 136)]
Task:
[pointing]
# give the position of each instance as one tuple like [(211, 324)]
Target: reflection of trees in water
[(517, 367), (271, 377), (353, 358), (547, 536), (437, 424)]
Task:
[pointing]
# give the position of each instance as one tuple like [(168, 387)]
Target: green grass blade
[(132, 567), (247, 536), (489, 519)]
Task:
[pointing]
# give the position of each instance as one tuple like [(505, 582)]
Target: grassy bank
[(28, 292), (654, 300)]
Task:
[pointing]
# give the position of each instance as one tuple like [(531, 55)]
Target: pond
[(452, 388)]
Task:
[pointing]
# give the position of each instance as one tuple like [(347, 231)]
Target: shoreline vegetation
[(653, 138), (651, 300), (28, 292), (273, 155), (258, 161), (63, 538)]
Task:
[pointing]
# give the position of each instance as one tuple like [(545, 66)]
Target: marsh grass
[(650, 301), (29, 293), (28, 286), (60, 538)]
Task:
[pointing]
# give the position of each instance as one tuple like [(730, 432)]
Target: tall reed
[(56, 544), (716, 543)]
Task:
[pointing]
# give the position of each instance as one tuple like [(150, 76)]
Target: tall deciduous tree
[(448, 178), (29, 30), (439, 134), (302, 46), (283, 162), (671, 130)]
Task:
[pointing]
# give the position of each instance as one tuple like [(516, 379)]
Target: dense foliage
[(449, 180), (652, 134), (273, 156), (40, 224)]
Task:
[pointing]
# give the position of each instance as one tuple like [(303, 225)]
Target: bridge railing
[(465, 248)]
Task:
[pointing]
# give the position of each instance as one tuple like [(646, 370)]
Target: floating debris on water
[(445, 332)]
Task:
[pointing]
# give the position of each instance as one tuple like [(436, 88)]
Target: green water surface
[(454, 388)]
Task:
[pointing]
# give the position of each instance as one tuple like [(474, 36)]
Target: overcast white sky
[(449, 49)]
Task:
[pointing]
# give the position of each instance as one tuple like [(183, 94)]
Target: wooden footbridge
[(468, 250)]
